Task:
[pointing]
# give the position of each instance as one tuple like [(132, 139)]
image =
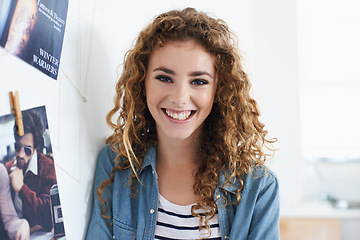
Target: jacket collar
[(231, 186), (33, 164), (149, 159)]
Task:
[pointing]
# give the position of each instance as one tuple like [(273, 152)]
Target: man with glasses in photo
[(31, 176)]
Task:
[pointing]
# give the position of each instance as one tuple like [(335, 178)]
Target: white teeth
[(179, 116)]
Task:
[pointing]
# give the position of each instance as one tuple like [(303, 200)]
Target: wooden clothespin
[(15, 108)]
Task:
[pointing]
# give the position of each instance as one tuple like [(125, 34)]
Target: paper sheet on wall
[(33, 155), (33, 30)]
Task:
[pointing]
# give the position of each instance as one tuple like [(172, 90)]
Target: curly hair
[(234, 139)]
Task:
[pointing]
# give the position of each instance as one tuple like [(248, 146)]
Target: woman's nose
[(180, 94)]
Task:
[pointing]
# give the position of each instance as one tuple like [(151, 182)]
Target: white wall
[(276, 86), (97, 35)]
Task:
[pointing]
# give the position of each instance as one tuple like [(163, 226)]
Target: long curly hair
[(234, 138)]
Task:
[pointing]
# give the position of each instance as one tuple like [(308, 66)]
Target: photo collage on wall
[(33, 30), (29, 192)]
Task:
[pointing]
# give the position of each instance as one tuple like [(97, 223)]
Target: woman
[(186, 159)]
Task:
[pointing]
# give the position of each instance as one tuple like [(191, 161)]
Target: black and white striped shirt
[(176, 222)]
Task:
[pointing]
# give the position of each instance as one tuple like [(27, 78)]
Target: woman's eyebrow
[(166, 70), (200, 73), (193, 74)]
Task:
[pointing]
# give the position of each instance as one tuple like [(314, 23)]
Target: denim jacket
[(255, 217)]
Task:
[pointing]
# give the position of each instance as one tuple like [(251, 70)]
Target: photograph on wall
[(29, 195), (33, 30)]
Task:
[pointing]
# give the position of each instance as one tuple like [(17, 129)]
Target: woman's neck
[(178, 153), (176, 166)]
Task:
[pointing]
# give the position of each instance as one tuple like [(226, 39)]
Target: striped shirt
[(176, 222)]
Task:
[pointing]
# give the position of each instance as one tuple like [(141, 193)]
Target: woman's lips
[(178, 115)]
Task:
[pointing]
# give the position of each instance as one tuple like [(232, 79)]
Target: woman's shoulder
[(259, 178), (106, 162), (106, 157), (107, 152)]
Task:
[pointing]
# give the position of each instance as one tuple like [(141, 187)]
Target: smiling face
[(180, 87)]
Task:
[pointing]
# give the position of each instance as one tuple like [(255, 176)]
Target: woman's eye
[(163, 78), (199, 82)]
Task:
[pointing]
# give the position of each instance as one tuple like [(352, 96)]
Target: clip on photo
[(15, 108)]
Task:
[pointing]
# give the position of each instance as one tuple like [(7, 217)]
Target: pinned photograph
[(29, 197), (33, 30)]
